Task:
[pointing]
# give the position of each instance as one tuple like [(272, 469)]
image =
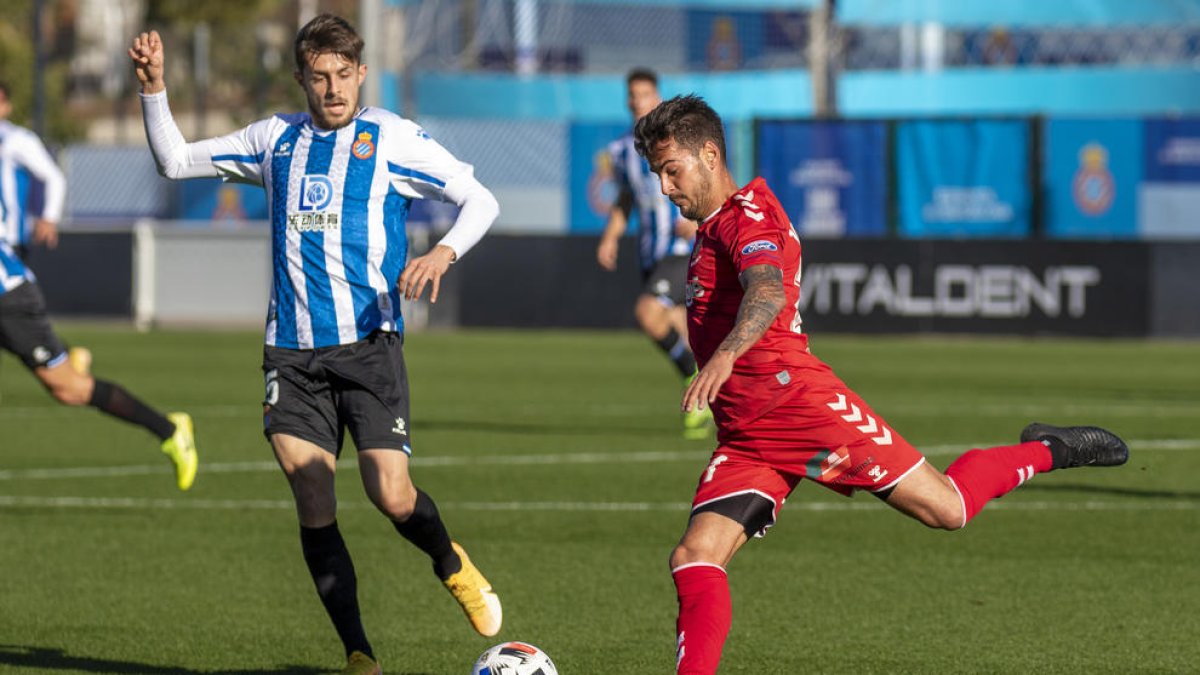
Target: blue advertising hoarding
[(1091, 170), (1169, 199), (831, 177), (963, 178), (591, 185), (211, 199)]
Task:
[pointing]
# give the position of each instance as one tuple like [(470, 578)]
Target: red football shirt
[(751, 228)]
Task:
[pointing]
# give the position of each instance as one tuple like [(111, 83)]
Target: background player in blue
[(25, 329), (339, 180), (664, 244)]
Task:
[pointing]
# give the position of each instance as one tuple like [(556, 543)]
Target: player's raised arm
[(237, 156), (147, 56)]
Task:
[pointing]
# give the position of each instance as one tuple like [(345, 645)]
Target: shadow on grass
[(57, 659), (1112, 490)]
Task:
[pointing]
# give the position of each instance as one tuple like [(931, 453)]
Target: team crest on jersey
[(363, 147)]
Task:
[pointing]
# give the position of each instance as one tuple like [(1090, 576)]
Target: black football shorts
[(667, 280), (316, 394), (25, 330)]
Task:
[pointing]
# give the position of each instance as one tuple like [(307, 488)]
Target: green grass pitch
[(556, 460)]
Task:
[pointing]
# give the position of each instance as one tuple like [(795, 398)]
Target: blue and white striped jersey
[(13, 272), (656, 214), (338, 203), (22, 159)]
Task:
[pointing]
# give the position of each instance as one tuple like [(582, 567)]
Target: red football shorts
[(776, 429)]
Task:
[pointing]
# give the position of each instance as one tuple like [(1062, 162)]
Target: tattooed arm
[(762, 302)]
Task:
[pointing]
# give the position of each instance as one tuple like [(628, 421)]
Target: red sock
[(705, 613), (983, 475)]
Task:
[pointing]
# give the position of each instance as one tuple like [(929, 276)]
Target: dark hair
[(686, 119), (4, 90), (327, 34), (641, 75)]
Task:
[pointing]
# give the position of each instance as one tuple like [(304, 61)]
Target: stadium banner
[(590, 183), (215, 201), (1091, 170), (991, 286), (831, 177), (963, 178), (1170, 194)]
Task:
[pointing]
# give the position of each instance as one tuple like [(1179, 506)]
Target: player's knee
[(684, 554), (397, 506), (649, 313), (945, 516)]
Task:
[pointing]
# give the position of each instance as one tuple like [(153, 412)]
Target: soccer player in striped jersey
[(782, 415), (339, 180), (25, 329), (23, 159), (664, 242)]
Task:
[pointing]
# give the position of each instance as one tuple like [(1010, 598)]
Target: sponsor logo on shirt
[(315, 192), (285, 149), (363, 148), (760, 245), (321, 221)]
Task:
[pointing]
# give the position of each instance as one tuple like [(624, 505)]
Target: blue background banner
[(963, 178), (591, 186), (830, 176), (1172, 150), (211, 199), (1090, 174)]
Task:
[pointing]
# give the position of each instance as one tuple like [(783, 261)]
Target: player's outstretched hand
[(429, 268), (147, 56), (704, 387)]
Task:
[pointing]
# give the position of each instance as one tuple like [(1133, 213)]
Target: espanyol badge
[(363, 148), (1093, 187)]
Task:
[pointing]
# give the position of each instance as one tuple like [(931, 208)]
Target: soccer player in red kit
[(781, 413)]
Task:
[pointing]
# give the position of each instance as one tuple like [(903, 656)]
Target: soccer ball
[(514, 658)]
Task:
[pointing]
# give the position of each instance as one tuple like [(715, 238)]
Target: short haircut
[(686, 119), (642, 75), (327, 34)]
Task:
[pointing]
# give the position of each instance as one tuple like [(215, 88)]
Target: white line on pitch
[(264, 504), (497, 460), (1158, 409)]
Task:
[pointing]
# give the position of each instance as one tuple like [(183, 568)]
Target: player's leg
[(952, 499), (702, 588), (655, 319), (737, 497), (310, 471), (659, 312), (26, 331), (301, 423), (416, 517), (374, 402)]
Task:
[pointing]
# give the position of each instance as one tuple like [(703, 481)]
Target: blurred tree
[(16, 69)]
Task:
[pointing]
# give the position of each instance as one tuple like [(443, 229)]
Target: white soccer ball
[(514, 658)]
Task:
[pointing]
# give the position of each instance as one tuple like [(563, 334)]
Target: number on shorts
[(272, 396)]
